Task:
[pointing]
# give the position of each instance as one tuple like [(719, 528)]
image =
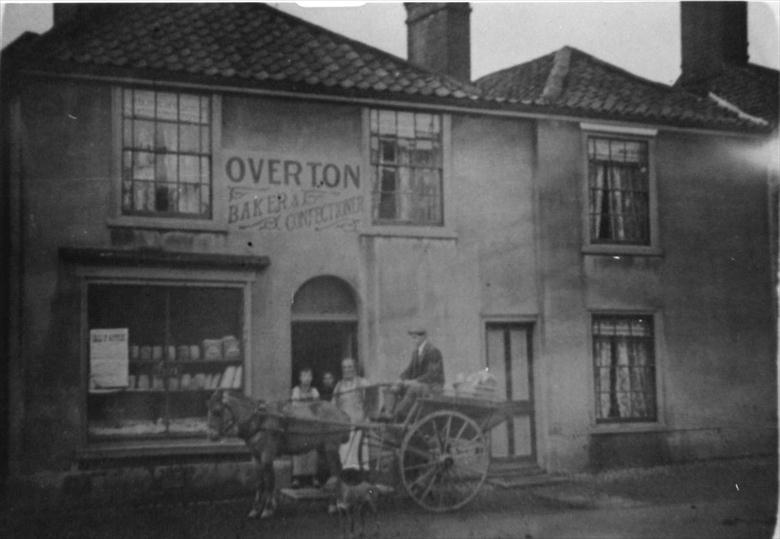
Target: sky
[(641, 37)]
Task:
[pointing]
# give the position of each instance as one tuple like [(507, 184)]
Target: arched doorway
[(324, 327)]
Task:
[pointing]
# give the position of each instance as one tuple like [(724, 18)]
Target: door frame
[(528, 324)]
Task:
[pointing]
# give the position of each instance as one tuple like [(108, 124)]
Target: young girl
[(305, 466)]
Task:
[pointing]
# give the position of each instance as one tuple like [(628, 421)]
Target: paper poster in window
[(108, 358)]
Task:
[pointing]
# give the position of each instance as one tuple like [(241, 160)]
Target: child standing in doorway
[(305, 466)]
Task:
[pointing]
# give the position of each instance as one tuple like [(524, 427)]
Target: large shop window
[(406, 165), (183, 342), (624, 368), (166, 154), (619, 191)]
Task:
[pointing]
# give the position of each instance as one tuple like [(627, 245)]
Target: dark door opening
[(322, 346)]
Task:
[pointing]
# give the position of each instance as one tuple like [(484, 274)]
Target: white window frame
[(218, 220), (444, 231), (647, 135)]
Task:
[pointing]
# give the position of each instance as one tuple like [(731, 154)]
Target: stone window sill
[(402, 231), (622, 250)]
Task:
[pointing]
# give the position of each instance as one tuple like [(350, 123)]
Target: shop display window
[(173, 346)]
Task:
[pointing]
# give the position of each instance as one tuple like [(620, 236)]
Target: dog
[(354, 498)]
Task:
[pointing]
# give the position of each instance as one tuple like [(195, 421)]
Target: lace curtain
[(625, 370), (619, 190)]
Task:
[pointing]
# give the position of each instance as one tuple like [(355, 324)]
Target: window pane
[(127, 165), (374, 121), (387, 198), (205, 110), (166, 137), (205, 170), (423, 154), (190, 138), (127, 103), (127, 195), (405, 195), (143, 104), (167, 168), (404, 151), (167, 108), (405, 125), (143, 135), (387, 122), (205, 140), (426, 126), (387, 151), (189, 198), (143, 195), (600, 149), (205, 200), (127, 133), (189, 172), (189, 108), (143, 166), (165, 197)]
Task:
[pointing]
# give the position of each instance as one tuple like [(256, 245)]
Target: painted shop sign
[(267, 192)]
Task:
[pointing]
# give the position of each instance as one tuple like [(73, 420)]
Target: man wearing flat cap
[(423, 376)]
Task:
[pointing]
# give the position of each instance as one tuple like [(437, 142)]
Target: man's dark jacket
[(427, 368)]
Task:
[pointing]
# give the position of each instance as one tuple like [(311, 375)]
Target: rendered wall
[(710, 288)]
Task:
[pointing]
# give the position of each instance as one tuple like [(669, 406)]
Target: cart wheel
[(444, 460)]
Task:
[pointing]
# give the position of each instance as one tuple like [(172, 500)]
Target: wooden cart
[(440, 453)]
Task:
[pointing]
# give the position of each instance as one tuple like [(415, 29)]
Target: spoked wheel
[(444, 460)]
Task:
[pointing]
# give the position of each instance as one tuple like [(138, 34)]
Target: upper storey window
[(166, 154), (619, 191), (406, 165)]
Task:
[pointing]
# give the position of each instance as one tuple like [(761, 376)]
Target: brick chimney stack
[(713, 34), (439, 37)]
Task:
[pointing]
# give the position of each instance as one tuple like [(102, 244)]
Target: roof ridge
[(557, 76), (516, 66)]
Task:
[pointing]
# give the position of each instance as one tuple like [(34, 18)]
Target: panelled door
[(509, 360)]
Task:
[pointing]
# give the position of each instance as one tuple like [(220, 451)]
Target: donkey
[(273, 429)]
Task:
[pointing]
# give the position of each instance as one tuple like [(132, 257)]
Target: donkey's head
[(230, 411)]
